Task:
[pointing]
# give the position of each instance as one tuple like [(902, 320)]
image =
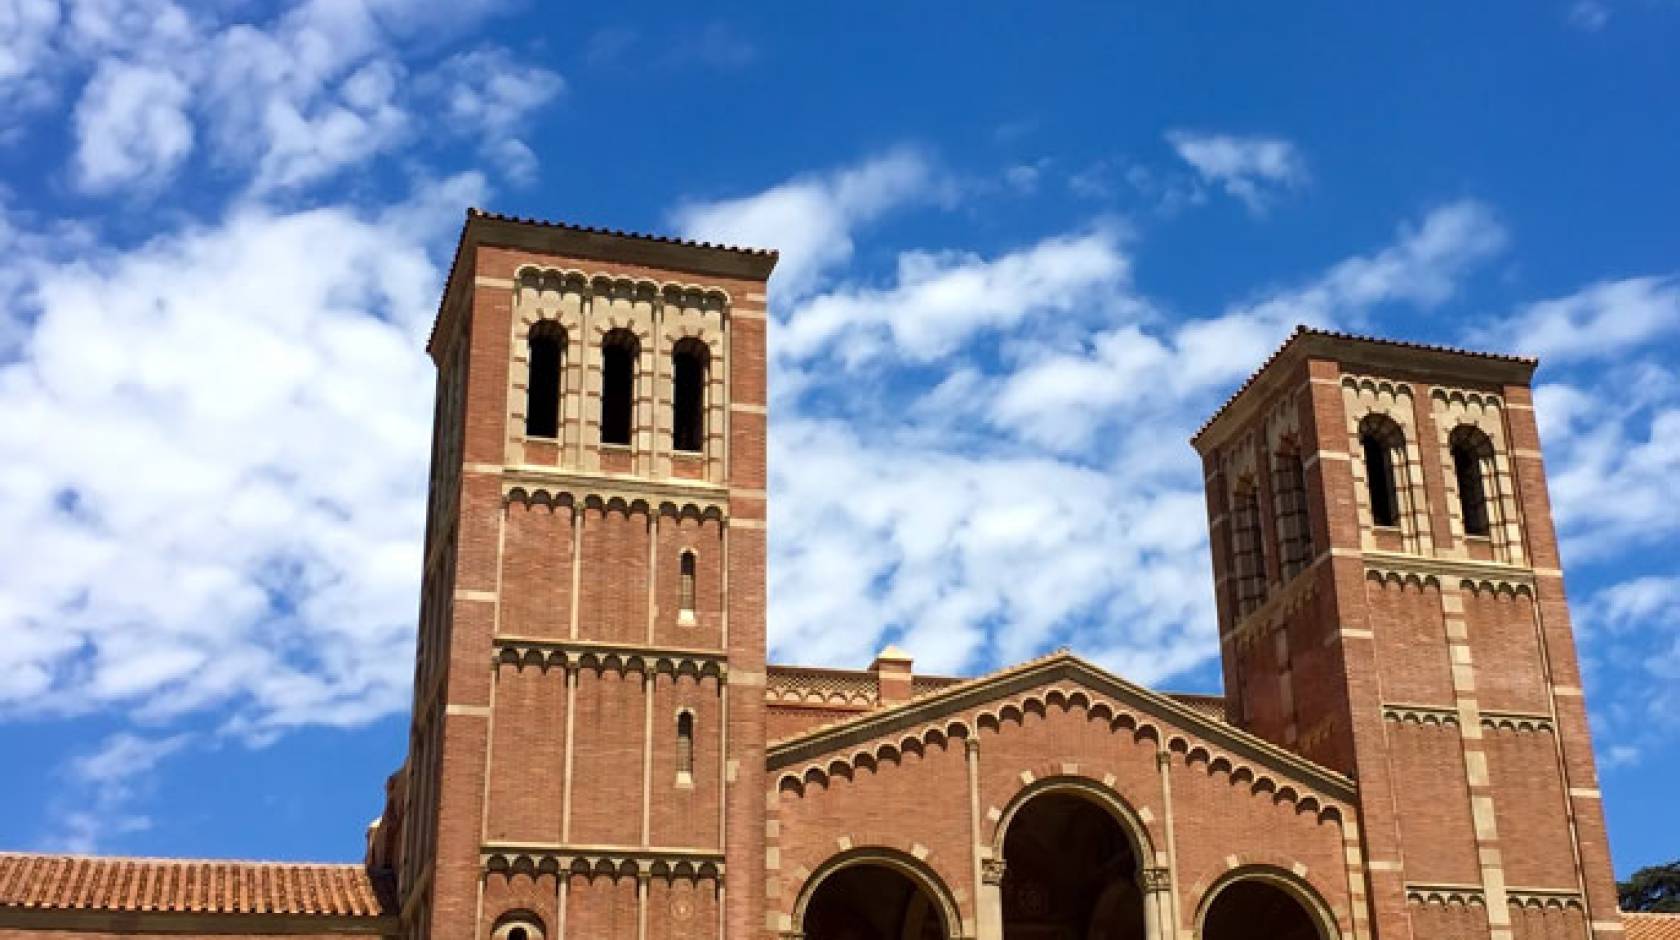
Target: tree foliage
[(1653, 890)]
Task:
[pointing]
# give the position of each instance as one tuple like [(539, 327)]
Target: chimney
[(892, 673)]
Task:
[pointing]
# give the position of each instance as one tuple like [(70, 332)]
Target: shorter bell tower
[(1391, 604)]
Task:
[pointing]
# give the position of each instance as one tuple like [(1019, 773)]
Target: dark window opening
[(1248, 552), (518, 933), (542, 385), (685, 743), (618, 386), (1467, 447), (1294, 529), (688, 395), (1380, 439), (685, 588)]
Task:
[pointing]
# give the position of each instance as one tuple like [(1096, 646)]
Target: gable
[(960, 709)]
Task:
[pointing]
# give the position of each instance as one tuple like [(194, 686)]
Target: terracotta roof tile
[(1652, 926), (76, 882), (1212, 706), (620, 233)]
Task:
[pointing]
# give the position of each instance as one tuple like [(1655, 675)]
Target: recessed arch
[(877, 894), (1074, 855), (1263, 901)]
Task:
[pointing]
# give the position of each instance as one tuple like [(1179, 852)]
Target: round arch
[(920, 875), (1090, 790), (1316, 912)]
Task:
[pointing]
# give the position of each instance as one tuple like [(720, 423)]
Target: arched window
[(685, 747), (518, 925), (1294, 531), (619, 350), (688, 395), (1471, 451), (546, 353), (1248, 551), (1382, 442), (685, 588)]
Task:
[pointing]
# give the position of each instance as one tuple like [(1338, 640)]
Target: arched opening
[(685, 588), (1384, 445), (872, 901), (545, 357), (685, 747), (1070, 871), (518, 925), (1294, 529), (618, 386), (1259, 907), (1471, 452), (688, 395), (1248, 550)]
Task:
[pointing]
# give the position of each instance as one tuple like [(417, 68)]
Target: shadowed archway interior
[(1070, 873), (1254, 908), (871, 902)]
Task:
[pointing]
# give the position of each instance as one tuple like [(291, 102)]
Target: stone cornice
[(533, 480), (634, 658), (1456, 569), (554, 857)]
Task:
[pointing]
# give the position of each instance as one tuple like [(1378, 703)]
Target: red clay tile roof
[(1652, 926), (78, 882), (1302, 330), (642, 236), (1212, 706)]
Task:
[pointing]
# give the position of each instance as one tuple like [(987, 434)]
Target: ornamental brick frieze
[(609, 860), (600, 657), (569, 489)]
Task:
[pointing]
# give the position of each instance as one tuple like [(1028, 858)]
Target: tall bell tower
[(1391, 604), (587, 751)]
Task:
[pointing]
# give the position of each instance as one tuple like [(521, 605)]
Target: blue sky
[(1024, 254)]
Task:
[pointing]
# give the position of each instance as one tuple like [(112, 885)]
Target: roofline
[(1060, 664), (483, 227), (176, 860), (1425, 359)]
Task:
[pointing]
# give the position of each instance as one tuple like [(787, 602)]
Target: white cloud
[(131, 127), (488, 96), (104, 784), (940, 299), (26, 33), (1599, 320), (220, 442), (1253, 169), (1589, 15), (810, 219), (1061, 396)]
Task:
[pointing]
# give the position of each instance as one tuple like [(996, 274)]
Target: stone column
[(1156, 885), (989, 904)]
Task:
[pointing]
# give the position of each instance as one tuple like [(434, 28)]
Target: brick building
[(600, 750)]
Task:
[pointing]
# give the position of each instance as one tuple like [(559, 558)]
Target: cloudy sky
[(1023, 256)]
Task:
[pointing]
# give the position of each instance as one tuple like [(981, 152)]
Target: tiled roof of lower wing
[(1651, 926), (95, 883)]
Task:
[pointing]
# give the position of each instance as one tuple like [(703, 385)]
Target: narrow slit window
[(685, 746), (1468, 446), (618, 386), (545, 354), (685, 585), (1380, 439), (688, 395)]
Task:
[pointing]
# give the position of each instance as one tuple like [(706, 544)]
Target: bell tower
[(587, 751), (1391, 604)]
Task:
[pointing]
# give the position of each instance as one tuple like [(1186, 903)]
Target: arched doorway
[(870, 900), (1070, 872), (1257, 906)]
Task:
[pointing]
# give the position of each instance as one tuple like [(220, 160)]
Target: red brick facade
[(599, 749)]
